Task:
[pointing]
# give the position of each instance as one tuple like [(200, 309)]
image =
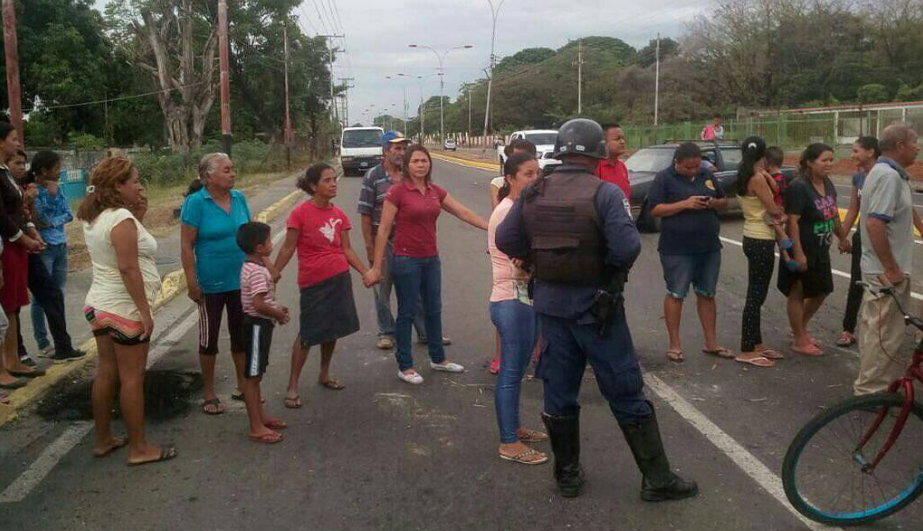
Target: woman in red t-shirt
[(412, 207), (319, 231)]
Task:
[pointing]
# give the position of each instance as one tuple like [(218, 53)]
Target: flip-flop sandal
[(34, 373), (293, 403), (846, 340), (14, 385), (275, 424), (120, 444), (759, 361), (675, 356), (216, 403), (166, 453), (721, 353), (770, 354), (533, 436), (333, 384), (270, 438), (521, 457), (813, 351)]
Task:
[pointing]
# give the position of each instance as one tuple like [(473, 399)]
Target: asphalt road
[(382, 455)]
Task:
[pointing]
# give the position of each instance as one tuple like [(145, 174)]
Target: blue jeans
[(567, 346), (515, 323), (415, 278), (55, 260), (382, 293)]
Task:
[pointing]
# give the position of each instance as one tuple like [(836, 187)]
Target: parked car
[(544, 145), (450, 144), (647, 162)]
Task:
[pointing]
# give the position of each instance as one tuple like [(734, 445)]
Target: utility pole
[(11, 45), (580, 77), (225, 77), (469, 110), (333, 101), (495, 12), (288, 109), (346, 87), (657, 84)]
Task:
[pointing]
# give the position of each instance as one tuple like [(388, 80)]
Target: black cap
[(581, 137)]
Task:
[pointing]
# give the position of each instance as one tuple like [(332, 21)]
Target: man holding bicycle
[(887, 222)]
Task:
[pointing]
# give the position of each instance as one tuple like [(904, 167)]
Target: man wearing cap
[(576, 232), (375, 186)]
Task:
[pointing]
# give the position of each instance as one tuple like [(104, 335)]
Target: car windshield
[(650, 160), (542, 139), (362, 138)]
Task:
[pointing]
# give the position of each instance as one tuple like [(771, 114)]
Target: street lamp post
[(495, 12), (422, 110), (441, 59), (405, 104)]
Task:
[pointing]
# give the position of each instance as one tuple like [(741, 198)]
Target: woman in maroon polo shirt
[(411, 208)]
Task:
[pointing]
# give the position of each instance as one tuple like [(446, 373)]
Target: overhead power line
[(110, 100)]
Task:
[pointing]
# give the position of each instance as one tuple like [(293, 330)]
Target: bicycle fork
[(906, 384)]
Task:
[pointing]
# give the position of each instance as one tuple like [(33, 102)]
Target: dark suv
[(647, 162)]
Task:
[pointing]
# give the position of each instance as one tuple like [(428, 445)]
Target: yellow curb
[(173, 284), (490, 166), (843, 212)]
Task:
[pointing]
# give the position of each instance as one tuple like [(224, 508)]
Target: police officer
[(576, 232)]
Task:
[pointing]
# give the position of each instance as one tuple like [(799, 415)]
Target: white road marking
[(49, 458), (836, 272), (747, 462)]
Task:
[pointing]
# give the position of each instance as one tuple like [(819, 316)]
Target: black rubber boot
[(564, 433), (659, 483)]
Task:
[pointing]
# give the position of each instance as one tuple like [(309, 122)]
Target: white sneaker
[(446, 367), (413, 379)]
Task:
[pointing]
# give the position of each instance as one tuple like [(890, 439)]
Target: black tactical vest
[(561, 220)]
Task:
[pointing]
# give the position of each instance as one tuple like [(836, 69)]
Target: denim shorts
[(698, 270)]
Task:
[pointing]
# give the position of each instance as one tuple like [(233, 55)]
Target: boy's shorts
[(698, 270), (258, 341)]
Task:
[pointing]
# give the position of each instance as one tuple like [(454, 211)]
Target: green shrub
[(86, 142)]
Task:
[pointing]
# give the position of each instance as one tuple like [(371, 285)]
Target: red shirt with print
[(615, 173), (320, 248), (415, 223)]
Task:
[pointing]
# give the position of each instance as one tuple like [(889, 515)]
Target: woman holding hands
[(411, 208)]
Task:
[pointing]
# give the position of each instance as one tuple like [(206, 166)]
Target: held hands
[(371, 277), (845, 246), (283, 317), (32, 245)]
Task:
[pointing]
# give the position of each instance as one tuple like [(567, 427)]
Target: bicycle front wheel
[(828, 478)]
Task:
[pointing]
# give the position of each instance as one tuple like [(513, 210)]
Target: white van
[(544, 144), (360, 149)]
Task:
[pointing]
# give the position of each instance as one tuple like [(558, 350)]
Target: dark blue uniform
[(570, 331)]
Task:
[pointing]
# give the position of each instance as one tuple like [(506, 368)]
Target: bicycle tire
[(813, 428)]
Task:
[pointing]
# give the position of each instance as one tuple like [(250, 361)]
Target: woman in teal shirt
[(212, 262)]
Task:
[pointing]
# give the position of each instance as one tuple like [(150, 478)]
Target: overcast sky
[(378, 32)]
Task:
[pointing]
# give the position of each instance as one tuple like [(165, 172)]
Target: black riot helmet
[(581, 137)]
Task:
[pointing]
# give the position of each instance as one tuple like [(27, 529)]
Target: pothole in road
[(166, 395)]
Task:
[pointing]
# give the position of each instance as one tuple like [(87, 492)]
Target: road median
[(477, 164), (173, 284)]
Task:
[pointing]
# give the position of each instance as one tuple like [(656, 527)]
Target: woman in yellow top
[(754, 190)]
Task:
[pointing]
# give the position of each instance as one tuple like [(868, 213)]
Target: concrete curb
[(173, 284), (489, 166)]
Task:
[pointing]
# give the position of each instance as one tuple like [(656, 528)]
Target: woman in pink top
[(511, 312), (319, 231), (412, 207)]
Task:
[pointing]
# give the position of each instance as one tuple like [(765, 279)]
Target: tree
[(873, 93), (647, 56), (177, 46)]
